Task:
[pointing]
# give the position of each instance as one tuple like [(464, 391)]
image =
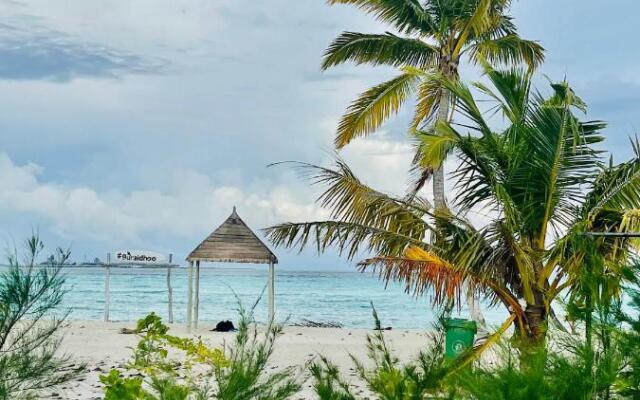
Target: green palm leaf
[(379, 49), (374, 106), (508, 50), (428, 100), (404, 15), (348, 238)]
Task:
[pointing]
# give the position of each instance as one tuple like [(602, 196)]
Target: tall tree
[(433, 37), (539, 177)]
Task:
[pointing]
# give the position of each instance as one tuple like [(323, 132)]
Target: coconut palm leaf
[(405, 15), (617, 187), (351, 200), (379, 49), (509, 49), (420, 271), (476, 24), (428, 100), (434, 148), (512, 91), (376, 105), (348, 238)]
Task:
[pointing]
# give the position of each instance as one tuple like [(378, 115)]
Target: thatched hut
[(232, 242)]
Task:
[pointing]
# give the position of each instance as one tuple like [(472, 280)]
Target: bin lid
[(461, 324)]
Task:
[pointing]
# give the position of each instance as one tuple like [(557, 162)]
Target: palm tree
[(539, 178), (434, 36)]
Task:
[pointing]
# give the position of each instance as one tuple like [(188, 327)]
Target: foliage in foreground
[(30, 296), (235, 372), (388, 378), (606, 368), (571, 368)]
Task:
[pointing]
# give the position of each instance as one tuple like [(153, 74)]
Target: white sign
[(138, 257)]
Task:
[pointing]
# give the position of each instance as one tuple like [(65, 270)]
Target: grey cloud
[(33, 52)]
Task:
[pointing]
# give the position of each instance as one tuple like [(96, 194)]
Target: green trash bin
[(459, 336)]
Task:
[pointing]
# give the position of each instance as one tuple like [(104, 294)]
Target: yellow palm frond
[(376, 105), (429, 94)]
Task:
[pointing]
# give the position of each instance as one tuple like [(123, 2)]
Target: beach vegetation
[(573, 368), (238, 371), (31, 318), (386, 377)]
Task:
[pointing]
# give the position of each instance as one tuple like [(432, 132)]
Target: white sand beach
[(102, 347)]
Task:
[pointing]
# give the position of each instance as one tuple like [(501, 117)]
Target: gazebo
[(231, 242)]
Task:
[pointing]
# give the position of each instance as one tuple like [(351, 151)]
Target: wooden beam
[(107, 284), (170, 290), (190, 297), (271, 293), (197, 299)]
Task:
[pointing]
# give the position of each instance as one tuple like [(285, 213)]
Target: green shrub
[(388, 379), (235, 372), (30, 321)]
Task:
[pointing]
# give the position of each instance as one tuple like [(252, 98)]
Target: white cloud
[(380, 162), (193, 207)]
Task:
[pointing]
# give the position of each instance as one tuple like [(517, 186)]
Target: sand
[(102, 347)]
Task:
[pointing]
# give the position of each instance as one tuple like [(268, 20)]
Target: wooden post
[(170, 289), (197, 298), (107, 283), (190, 298), (271, 294)]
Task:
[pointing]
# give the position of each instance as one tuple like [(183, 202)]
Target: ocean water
[(342, 297)]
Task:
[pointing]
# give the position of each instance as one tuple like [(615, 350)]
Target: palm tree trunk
[(439, 199), (532, 342)]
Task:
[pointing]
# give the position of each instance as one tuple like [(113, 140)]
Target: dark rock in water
[(224, 326)]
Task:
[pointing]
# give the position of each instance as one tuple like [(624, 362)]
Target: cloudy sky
[(139, 124)]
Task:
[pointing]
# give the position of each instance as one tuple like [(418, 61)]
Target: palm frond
[(616, 187), (558, 160), (476, 24), (466, 104), (508, 50), (363, 217), (405, 15), (379, 49), (351, 200), (420, 271), (347, 238), (428, 101), (376, 105), (433, 148), (511, 93)]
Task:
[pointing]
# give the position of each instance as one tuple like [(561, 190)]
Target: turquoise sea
[(343, 297)]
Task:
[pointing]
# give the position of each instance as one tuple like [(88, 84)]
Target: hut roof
[(233, 241)]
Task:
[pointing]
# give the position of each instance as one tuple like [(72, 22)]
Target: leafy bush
[(424, 378), (235, 372), (30, 296)]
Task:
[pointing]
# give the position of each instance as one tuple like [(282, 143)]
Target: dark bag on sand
[(224, 326)]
